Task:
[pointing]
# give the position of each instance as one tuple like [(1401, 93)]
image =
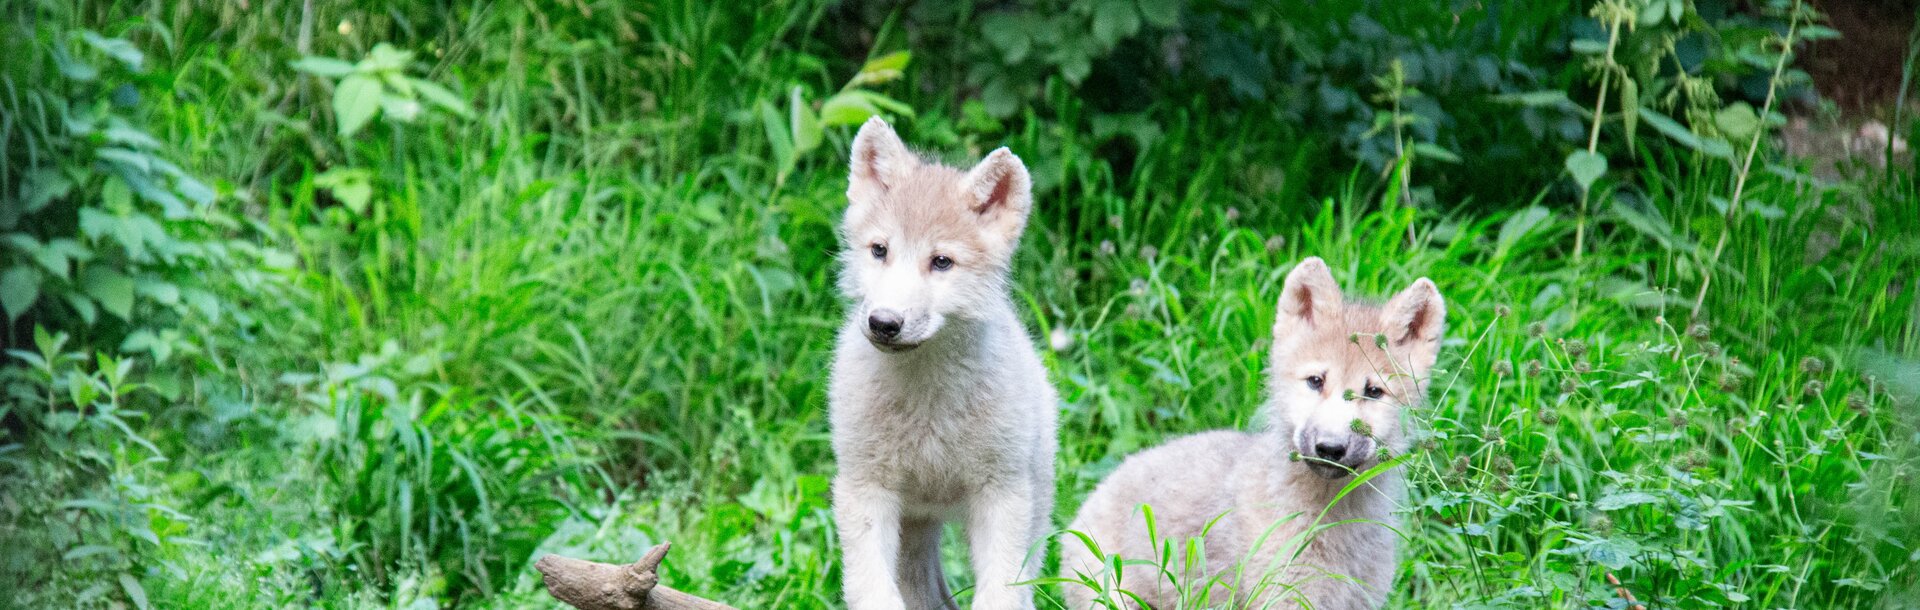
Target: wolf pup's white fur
[(1335, 399), (941, 409)]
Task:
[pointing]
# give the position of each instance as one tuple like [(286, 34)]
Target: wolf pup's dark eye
[(942, 263), (1374, 391), (879, 251), (1315, 382)]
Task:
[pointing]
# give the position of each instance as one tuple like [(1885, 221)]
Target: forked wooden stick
[(591, 585)]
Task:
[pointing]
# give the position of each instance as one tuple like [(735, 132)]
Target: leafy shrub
[(433, 485)]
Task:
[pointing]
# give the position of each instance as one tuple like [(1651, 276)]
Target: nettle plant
[(377, 86), (100, 234)]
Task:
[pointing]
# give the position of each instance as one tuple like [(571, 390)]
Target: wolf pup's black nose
[(885, 322), (1331, 452)]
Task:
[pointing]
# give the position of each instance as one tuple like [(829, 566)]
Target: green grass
[(589, 319)]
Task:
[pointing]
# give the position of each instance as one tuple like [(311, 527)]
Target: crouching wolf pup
[(941, 409), (1335, 400)]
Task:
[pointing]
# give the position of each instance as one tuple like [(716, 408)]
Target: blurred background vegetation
[(356, 305)]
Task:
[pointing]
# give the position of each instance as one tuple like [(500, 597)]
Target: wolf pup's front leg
[(940, 406), (869, 520)]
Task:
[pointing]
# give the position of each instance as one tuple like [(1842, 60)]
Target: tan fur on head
[(918, 211), (1321, 339)]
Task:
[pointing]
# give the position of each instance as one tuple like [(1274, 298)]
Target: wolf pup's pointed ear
[(1309, 297), (880, 160), (1415, 320), (1001, 192)]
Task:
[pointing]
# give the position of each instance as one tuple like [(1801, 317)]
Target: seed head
[(1502, 368), (1360, 426), (1599, 522), (1547, 416), (1275, 243), (1567, 386), (1711, 349), (1576, 348), (1694, 460), (1491, 434), (1813, 388), (1149, 252), (1582, 367), (1349, 395), (1380, 341), (1107, 248), (1114, 221), (1699, 331), (1677, 420), (1461, 464), (1233, 214), (1500, 485), (1857, 401), (1293, 456), (1503, 465), (1138, 287), (1428, 444), (1502, 310), (1729, 382), (1552, 458), (1533, 368), (1812, 365), (1537, 329)]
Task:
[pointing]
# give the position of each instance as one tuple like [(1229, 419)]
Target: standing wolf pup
[(1335, 400), (941, 409)]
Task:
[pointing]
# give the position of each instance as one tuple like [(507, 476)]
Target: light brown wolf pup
[(1336, 398), (941, 409)]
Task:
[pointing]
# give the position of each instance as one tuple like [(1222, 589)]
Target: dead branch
[(591, 585)]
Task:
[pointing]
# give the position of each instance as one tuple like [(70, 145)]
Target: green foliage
[(96, 220), (600, 318), (379, 84)]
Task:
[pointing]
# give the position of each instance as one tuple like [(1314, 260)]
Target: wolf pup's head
[(926, 243), (1342, 372)]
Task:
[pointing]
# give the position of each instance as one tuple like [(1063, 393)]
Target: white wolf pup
[(941, 409), (1335, 400)]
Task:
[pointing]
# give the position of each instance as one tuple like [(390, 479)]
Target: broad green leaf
[(355, 101), (353, 187), (117, 48), (882, 69), (386, 57), (1535, 99), (1434, 151), (778, 137), (1587, 46), (43, 186), (802, 122), (1623, 499), (1586, 167), (1160, 13), (19, 289), (134, 591), (1630, 108), (1114, 20), (1520, 224), (160, 290), (1673, 129), (89, 312), (126, 156), (1006, 33), (113, 289), (847, 108), (95, 223), (399, 108), (442, 97), (1737, 121), (322, 66)]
